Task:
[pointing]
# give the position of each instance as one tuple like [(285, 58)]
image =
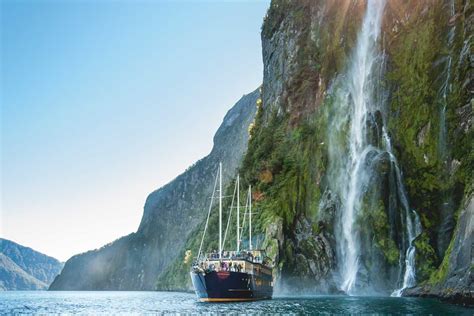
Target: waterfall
[(447, 224), (354, 101), (446, 86), (360, 89), (358, 99), (412, 225), (414, 230)]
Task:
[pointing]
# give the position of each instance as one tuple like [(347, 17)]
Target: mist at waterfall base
[(112, 303), (362, 165)]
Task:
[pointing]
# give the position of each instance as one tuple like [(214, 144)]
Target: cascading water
[(355, 98), (447, 224), (412, 224), (445, 86), (353, 154)]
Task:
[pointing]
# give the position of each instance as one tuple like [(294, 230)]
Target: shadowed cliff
[(171, 213)]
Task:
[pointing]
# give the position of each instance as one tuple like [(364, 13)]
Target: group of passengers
[(245, 255), (233, 267), (224, 266)]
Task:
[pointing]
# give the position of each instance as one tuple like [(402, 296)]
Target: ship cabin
[(252, 262)]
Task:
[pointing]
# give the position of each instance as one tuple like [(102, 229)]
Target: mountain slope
[(22, 268), (12, 277), (171, 213)]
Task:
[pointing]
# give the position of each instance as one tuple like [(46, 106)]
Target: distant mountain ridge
[(22, 268)]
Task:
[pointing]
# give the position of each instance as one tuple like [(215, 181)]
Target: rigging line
[(208, 215), (230, 214), (245, 216), (224, 196)]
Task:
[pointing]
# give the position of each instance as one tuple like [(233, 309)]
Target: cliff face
[(361, 149), (171, 213), (22, 268), (361, 153)]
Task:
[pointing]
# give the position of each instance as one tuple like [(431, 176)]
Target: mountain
[(22, 268), (171, 214), (361, 150)]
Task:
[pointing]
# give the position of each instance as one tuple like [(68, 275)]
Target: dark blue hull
[(227, 286)]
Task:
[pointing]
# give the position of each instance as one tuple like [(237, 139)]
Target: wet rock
[(328, 207), (274, 239), (457, 286), (421, 137), (374, 125), (453, 167), (310, 265), (383, 163), (465, 117)]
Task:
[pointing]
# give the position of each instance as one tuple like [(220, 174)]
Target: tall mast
[(250, 217), (238, 213), (220, 210)]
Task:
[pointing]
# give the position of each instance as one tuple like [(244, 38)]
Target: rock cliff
[(361, 149), (416, 168)]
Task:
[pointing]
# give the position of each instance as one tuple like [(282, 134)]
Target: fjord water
[(358, 144), (113, 303)]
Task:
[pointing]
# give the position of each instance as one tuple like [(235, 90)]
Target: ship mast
[(238, 213), (250, 217), (220, 210)]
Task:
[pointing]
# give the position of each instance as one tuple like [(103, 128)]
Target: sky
[(103, 102)]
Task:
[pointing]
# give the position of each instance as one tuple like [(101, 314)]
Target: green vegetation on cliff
[(418, 52), (306, 49)]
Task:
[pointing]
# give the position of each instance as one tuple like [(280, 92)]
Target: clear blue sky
[(105, 101)]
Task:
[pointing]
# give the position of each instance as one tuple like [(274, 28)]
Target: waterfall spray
[(358, 94), (358, 98), (412, 224)]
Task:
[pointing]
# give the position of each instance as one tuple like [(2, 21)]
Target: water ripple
[(144, 303)]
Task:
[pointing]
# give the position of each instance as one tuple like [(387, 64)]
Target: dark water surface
[(93, 303)]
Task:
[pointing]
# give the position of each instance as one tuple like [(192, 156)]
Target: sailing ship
[(238, 274)]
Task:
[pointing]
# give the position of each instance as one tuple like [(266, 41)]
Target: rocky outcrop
[(456, 275), (452, 279), (309, 268), (171, 214), (22, 268), (304, 44), (458, 285)]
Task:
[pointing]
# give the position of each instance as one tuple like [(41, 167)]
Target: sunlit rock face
[(171, 214)]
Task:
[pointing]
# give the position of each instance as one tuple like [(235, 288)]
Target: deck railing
[(242, 261), (255, 256)]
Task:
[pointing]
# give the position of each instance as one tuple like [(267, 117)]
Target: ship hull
[(225, 286)]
